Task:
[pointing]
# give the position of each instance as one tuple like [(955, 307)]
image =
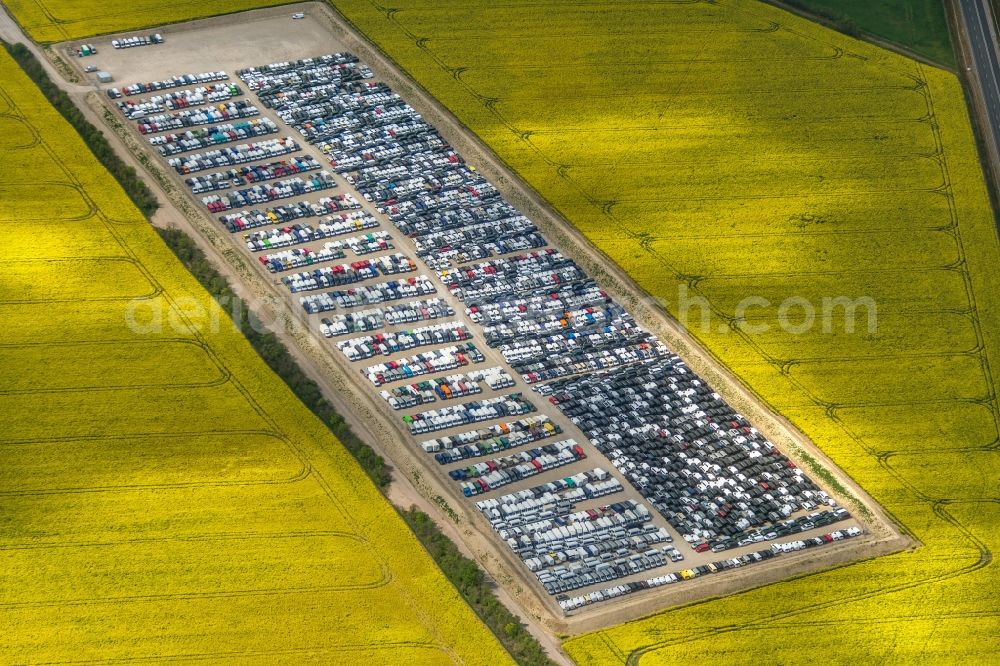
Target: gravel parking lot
[(184, 52)]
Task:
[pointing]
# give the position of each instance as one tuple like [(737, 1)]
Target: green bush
[(472, 584)]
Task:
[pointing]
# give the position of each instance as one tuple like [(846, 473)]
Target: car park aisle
[(356, 209)]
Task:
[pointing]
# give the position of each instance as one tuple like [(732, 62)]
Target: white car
[(298, 15)]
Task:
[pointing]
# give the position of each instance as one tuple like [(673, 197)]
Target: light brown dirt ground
[(222, 43)]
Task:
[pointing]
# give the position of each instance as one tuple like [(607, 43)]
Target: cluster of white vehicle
[(468, 412), (371, 294), (230, 155)]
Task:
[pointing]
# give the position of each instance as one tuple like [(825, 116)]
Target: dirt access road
[(414, 481)]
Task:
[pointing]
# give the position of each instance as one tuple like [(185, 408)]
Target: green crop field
[(163, 495), (921, 25)]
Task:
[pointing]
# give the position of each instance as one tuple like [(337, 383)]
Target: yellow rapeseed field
[(739, 151), (62, 20), (163, 495)]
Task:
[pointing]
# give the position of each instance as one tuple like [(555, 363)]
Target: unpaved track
[(412, 480)]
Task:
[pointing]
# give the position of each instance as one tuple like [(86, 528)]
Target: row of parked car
[(573, 603), (447, 388), (251, 219), (569, 549), (200, 116), (287, 260), (328, 227), (279, 76), (491, 439), (357, 271), (233, 155), (477, 240), (137, 40), (482, 477), (204, 137), (467, 413), (549, 499), (702, 465), (166, 84), (259, 193), (136, 109), (387, 344), (424, 363), (375, 318), (298, 257), (258, 173), (370, 294)]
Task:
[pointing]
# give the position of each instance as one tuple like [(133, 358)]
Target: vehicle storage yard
[(574, 430)]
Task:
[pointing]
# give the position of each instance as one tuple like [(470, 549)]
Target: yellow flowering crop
[(163, 495), (62, 20), (739, 151)]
